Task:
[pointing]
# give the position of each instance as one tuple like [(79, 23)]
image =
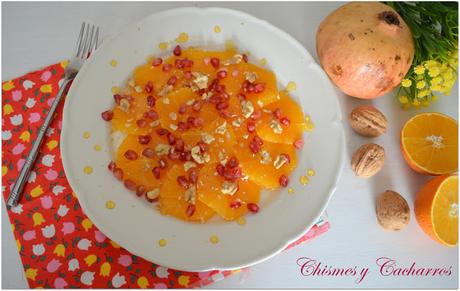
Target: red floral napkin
[(59, 246)]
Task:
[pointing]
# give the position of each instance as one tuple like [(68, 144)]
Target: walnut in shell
[(392, 211), (367, 121), (368, 160)]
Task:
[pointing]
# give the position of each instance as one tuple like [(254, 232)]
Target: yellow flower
[(406, 83), (183, 280), (37, 191), (64, 64), (436, 88), (7, 109), (143, 282), (46, 88), (4, 170), (434, 98), (31, 274), (421, 84), (38, 218), (431, 64), (403, 99), (423, 93), (416, 103), (25, 136), (448, 75), (18, 245), (436, 80), (425, 103), (87, 224), (52, 144), (419, 70), (59, 250), (433, 71), (90, 259), (105, 270), (7, 86)]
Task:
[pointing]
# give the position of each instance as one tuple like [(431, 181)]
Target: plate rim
[(336, 121)]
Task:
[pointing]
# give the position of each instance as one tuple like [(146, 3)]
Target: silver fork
[(86, 43)]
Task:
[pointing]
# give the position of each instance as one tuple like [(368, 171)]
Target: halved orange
[(429, 143), (436, 209)]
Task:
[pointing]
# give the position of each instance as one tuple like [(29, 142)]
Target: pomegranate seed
[(235, 73), (144, 139), (187, 63), (250, 88), (129, 98), (256, 114), (188, 156), (182, 108), (190, 210), (171, 139), (259, 87), (241, 97), (254, 208), (177, 51), (245, 58), (220, 169), (188, 75), (225, 113), (215, 62), (213, 84), (107, 115), (130, 185), (118, 173), (183, 182), (180, 145), (257, 140), (221, 105), (233, 174), (232, 163), (235, 204), (255, 148), (140, 191), (117, 98), (174, 155), (183, 156), (288, 158), (163, 163), (222, 74), (131, 155), (150, 101), (172, 80), (214, 99), (157, 61), (179, 64), (284, 180), (197, 105), (167, 67), (285, 121), (298, 144), (148, 153), (162, 131), (182, 126), (277, 113), (203, 146), (220, 88), (193, 175), (111, 166), (191, 120), (198, 122), (148, 87), (141, 123), (156, 172), (251, 126)]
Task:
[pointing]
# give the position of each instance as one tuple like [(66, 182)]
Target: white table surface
[(39, 34)]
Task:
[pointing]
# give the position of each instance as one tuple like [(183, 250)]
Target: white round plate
[(134, 223)]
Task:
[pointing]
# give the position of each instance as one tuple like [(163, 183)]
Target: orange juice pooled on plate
[(201, 133)]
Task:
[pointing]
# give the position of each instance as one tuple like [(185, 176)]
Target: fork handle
[(21, 180)]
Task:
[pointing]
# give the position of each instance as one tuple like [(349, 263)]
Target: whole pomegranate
[(365, 48)]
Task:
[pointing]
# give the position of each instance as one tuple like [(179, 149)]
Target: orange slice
[(429, 143), (436, 209), (209, 192), (289, 133), (172, 199)]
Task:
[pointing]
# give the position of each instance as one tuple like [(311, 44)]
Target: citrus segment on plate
[(436, 209), (429, 143)]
